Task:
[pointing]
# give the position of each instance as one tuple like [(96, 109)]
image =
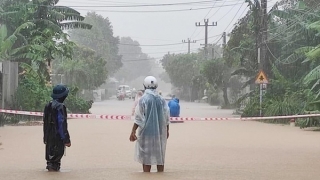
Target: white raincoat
[(152, 117), (137, 98)]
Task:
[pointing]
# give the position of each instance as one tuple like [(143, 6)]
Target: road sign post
[(262, 80), (261, 100)]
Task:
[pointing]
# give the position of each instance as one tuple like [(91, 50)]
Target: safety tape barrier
[(123, 117), (80, 116)]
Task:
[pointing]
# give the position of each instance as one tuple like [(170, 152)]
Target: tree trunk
[(225, 96)]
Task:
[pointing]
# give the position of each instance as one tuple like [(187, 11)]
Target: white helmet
[(150, 82)]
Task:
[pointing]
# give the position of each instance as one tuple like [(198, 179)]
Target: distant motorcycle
[(121, 96)]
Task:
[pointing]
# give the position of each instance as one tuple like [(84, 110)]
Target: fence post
[(293, 123)]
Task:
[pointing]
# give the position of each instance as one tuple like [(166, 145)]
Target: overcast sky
[(160, 28)]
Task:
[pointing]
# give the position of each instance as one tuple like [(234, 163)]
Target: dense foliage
[(32, 33), (133, 59), (100, 39), (291, 62)]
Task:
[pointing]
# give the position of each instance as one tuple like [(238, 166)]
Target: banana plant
[(7, 42)]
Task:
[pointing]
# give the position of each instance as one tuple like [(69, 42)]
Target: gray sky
[(158, 28)]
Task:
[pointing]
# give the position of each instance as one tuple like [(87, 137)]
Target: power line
[(220, 18), (172, 44), (137, 60), (208, 37), (212, 16), (144, 45), (133, 38), (146, 59), (158, 52), (217, 10), (155, 11), (206, 24), (269, 30), (130, 4), (189, 42), (292, 25), (226, 13), (210, 10), (134, 44), (205, 18), (146, 5), (234, 17)]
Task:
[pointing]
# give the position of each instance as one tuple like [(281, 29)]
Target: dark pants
[(54, 153)]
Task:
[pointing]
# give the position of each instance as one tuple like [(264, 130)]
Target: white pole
[(259, 56), (261, 99)]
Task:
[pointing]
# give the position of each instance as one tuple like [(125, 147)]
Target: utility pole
[(224, 36), (189, 41), (212, 50), (224, 43), (262, 48), (206, 24)]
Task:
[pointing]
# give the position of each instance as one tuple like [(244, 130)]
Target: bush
[(31, 96), (76, 104), (308, 122), (2, 119), (252, 109), (10, 119)]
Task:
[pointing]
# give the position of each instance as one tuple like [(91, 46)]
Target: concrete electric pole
[(224, 36), (224, 43), (189, 41), (206, 24), (262, 48)]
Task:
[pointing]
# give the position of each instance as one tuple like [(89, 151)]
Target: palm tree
[(46, 39), (7, 42)]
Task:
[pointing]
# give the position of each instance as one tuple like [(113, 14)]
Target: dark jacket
[(55, 126)]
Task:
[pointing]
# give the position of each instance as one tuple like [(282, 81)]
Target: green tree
[(85, 70), (100, 38), (293, 54), (133, 59), (36, 37), (40, 43), (7, 42), (181, 69), (218, 74), (165, 77)]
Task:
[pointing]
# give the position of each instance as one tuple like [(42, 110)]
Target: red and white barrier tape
[(122, 117), (80, 116)]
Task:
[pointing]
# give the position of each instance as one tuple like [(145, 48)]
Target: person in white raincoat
[(152, 119), (137, 98)]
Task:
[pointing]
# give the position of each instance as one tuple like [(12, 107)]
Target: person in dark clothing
[(55, 128)]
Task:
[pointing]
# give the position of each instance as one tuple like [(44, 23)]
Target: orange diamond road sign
[(261, 78)]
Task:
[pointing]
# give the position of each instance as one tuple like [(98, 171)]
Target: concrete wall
[(9, 82)]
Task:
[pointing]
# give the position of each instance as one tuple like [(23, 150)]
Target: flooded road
[(226, 150)]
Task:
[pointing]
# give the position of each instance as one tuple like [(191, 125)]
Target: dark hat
[(59, 91)]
